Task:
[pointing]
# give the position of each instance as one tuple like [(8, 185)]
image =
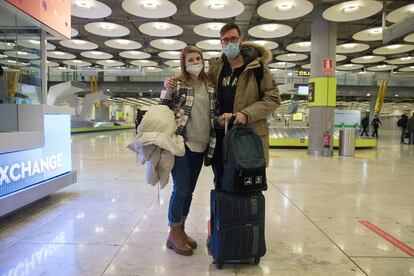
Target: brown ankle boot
[(191, 242), (176, 242)]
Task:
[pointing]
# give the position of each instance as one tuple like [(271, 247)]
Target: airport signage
[(22, 169)]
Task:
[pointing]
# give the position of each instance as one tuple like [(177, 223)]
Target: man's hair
[(230, 26)]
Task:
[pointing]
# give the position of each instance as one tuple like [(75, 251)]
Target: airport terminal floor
[(323, 216)]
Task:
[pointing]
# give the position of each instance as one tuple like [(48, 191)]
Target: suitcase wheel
[(256, 261)]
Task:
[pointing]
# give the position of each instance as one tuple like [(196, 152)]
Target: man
[(410, 129), (365, 124), (375, 124), (237, 75), (402, 123)]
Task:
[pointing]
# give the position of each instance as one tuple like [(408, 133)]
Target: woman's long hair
[(185, 76)]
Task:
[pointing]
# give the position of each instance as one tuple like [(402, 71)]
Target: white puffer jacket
[(157, 144)]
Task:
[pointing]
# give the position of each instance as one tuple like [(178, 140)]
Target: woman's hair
[(185, 76)]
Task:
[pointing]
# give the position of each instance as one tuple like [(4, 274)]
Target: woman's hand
[(170, 83)]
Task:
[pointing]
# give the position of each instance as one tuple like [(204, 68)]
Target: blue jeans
[(185, 174)]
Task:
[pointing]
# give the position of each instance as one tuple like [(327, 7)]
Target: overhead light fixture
[(393, 47), (78, 42), (217, 5), (11, 61), (215, 27), (382, 66), (123, 41), (349, 45), (304, 44), (368, 57), (280, 63), (368, 94), (375, 31), (405, 58), (260, 42), (10, 44), (160, 26), (151, 68), (96, 53), (412, 67), (149, 5), (22, 53), (109, 61), (35, 42), (348, 65), (396, 95), (291, 55), (107, 26), (168, 41), (58, 53), (270, 27), (351, 9), (285, 7), (85, 4), (77, 61), (411, 9), (144, 61), (213, 42)]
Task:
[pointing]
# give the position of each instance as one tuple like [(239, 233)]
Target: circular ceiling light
[(281, 65), (400, 14), (393, 49), (340, 58), (60, 55), (209, 44), (144, 63), (351, 48), (90, 9), (349, 67), (107, 29), (407, 69), (152, 69), (368, 59), (304, 46), (7, 45), (110, 63), (96, 55), (123, 44), (372, 34), (149, 8), (49, 63), (134, 55), (209, 29), (160, 29), (168, 44), (77, 63), (34, 44), (270, 30), (352, 10), (170, 54), (284, 9), (409, 38), (173, 63), (211, 54), (78, 44), (217, 9), (21, 55), (266, 43), (402, 60), (382, 67), (291, 57)]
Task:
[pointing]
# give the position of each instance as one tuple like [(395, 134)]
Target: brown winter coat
[(247, 97)]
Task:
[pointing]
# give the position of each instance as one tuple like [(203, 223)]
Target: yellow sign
[(302, 73), (322, 92)]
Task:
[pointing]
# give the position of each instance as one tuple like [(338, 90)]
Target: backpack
[(244, 161), (399, 123)]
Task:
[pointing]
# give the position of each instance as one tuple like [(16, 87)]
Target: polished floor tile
[(112, 223)]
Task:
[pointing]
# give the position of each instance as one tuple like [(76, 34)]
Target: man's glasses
[(233, 39)]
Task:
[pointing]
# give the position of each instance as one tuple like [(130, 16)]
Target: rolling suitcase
[(237, 227)]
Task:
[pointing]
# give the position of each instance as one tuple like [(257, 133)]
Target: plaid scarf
[(181, 103)]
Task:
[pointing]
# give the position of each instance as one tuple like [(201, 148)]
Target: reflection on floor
[(112, 223)]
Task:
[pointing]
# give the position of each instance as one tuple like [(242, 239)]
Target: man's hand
[(224, 117), (170, 83), (241, 119)]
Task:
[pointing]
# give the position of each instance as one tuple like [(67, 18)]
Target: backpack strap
[(258, 74)]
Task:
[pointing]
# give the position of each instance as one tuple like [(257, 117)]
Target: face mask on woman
[(194, 69), (232, 50)]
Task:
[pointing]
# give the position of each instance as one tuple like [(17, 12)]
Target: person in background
[(375, 124), (365, 124), (193, 102), (402, 123), (138, 119), (410, 128)]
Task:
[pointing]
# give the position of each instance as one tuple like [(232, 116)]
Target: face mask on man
[(232, 50), (194, 69)]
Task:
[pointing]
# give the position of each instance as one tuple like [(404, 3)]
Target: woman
[(193, 103)]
